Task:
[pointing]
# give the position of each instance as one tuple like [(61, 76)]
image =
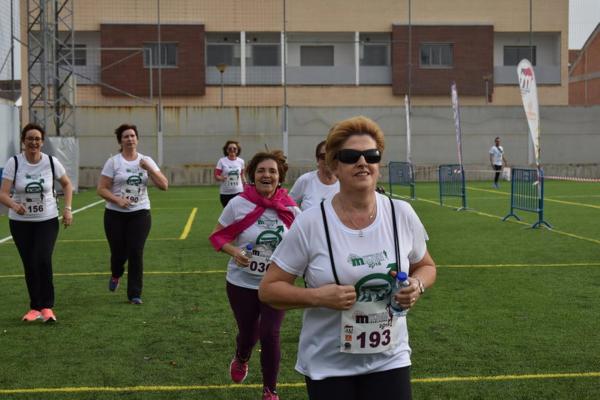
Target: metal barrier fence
[(402, 173), (451, 179), (527, 194)]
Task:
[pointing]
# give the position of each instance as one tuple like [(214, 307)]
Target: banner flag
[(408, 148), (456, 109), (529, 96)]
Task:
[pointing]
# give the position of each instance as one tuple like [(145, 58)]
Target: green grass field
[(513, 315)]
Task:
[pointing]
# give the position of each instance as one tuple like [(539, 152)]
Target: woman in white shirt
[(33, 216), (124, 185), (259, 218), (315, 186), (230, 172), (349, 250)]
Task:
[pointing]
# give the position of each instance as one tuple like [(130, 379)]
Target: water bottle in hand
[(400, 282)]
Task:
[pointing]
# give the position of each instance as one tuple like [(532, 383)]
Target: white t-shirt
[(309, 191), (33, 187), (233, 170), (497, 153), (129, 180), (267, 231), (304, 252)]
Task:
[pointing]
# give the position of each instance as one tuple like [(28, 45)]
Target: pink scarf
[(279, 202)]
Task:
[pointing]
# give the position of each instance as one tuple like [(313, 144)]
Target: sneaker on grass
[(238, 370), (32, 315)]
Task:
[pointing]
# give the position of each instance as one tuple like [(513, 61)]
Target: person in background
[(124, 185), (249, 229), (315, 186), (497, 160), (349, 250), (33, 216), (230, 172)]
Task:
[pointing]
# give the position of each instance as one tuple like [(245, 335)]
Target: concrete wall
[(194, 136)]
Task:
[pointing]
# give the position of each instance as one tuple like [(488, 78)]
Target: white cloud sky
[(584, 15)]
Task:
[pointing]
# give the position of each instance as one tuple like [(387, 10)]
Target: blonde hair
[(341, 132)]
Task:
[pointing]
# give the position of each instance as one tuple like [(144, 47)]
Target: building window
[(228, 54), (168, 55), (79, 56), (316, 56), (437, 55), (265, 55), (374, 55), (514, 54)]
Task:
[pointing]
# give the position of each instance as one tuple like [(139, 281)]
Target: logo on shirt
[(270, 223), (370, 260), (135, 180), (270, 238)]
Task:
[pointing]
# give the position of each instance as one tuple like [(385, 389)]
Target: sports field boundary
[(176, 388)]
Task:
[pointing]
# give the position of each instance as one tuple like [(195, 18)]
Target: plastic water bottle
[(400, 282), (247, 251)]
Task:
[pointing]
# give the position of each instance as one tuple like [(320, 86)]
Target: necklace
[(354, 224)]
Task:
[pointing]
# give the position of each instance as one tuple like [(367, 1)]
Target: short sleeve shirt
[(232, 170), (497, 153), (309, 191)]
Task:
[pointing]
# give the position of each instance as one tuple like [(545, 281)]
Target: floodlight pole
[(222, 67)]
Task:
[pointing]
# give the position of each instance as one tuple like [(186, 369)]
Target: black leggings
[(35, 242), (386, 385), (498, 169), (126, 233), (225, 198)]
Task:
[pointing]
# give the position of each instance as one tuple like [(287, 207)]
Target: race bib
[(368, 328), (34, 203), (259, 262), (133, 193)]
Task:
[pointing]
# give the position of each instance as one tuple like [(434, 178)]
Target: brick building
[(584, 73)]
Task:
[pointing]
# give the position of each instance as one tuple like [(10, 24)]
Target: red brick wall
[(188, 78), (473, 60), (587, 91)]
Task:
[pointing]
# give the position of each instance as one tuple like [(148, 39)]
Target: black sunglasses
[(351, 156), (321, 156)]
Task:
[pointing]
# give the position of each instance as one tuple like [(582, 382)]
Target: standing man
[(497, 160)]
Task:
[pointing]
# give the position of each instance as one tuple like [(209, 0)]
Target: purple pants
[(256, 320)]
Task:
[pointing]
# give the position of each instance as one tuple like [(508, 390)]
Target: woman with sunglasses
[(349, 250), (33, 216), (230, 172), (314, 186)]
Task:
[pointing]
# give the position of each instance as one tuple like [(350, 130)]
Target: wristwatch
[(421, 286)]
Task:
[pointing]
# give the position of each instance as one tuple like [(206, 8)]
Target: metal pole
[(57, 88), (531, 32), (409, 52), (12, 49), (285, 105), (159, 137), (222, 88)]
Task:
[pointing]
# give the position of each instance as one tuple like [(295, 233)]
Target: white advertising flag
[(528, 90), (456, 109), (407, 110)]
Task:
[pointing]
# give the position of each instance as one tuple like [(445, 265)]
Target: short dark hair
[(275, 155), (122, 128), (237, 144), (321, 144), (31, 126)]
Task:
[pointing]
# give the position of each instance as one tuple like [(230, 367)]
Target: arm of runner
[(67, 215), (7, 200), (104, 190), (278, 290)]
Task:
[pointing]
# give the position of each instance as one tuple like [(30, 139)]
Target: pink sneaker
[(269, 394), (48, 315), (32, 315), (238, 370)]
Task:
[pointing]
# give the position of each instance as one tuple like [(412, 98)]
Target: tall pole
[(409, 52), (531, 32), (285, 105), (159, 138), (12, 49), (57, 89)]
